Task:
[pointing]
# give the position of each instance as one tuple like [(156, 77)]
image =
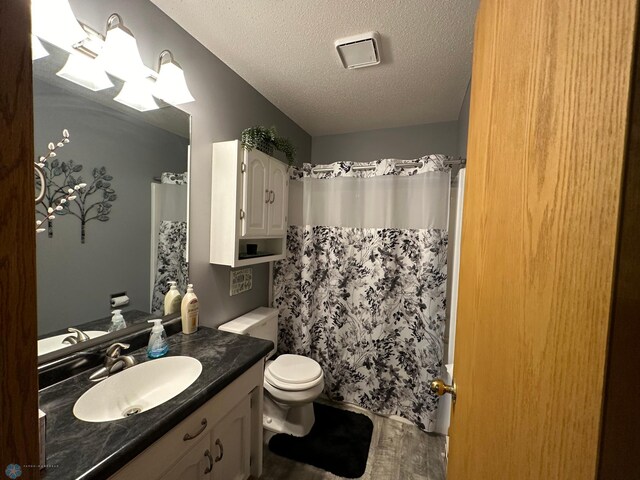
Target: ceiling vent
[(359, 50)]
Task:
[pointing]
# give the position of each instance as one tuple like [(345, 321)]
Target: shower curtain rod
[(454, 161)]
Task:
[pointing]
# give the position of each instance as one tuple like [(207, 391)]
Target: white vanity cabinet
[(197, 463), (231, 439), (222, 440), (249, 205)]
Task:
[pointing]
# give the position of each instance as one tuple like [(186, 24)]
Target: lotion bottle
[(158, 346), (117, 321), (189, 311), (172, 299)]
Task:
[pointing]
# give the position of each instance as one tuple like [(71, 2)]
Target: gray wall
[(463, 123), (225, 105), (404, 142), (75, 280)]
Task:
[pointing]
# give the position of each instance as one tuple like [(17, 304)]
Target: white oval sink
[(137, 389), (52, 344)]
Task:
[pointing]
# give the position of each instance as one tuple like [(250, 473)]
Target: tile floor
[(399, 451)]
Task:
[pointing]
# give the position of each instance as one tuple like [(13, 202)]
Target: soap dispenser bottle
[(117, 321), (158, 345), (172, 299), (189, 311)]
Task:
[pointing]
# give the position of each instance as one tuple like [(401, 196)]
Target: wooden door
[(18, 325), (549, 112), (255, 194), (279, 187), (232, 443)]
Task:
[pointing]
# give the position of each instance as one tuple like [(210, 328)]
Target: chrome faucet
[(114, 362), (80, 336)]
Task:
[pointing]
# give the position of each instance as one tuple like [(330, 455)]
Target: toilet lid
[(294, 369)]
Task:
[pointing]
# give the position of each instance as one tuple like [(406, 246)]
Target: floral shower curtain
[(362, 288), (171, 261)]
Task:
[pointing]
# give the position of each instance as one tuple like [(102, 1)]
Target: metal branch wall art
[(101, 207), (63, 193)]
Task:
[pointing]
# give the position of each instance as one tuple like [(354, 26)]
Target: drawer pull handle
[(219, 444), (267, 195), (272, 196), (207, 454), (203, 425)]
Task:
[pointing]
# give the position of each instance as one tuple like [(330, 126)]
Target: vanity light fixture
[(54, 21), (86, 72), (120, 56), (136, 94), (37, 49), (171, 85), (82, 68)]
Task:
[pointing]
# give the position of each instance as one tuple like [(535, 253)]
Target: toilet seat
[(293, 373)]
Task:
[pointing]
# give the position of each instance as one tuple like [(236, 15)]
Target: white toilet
[(291, 382)]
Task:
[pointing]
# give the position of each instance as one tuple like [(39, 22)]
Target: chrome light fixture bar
[(171, 85)]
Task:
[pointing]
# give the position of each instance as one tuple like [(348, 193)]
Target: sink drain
[(129, 412)]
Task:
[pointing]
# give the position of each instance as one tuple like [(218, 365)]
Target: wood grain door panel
[(551, 83)]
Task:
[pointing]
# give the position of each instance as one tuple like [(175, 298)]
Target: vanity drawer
[(159, 457)]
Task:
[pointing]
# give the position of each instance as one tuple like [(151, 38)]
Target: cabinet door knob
[(272, 196), (221, 448), (207, 454), (188, 436), (267, 196)]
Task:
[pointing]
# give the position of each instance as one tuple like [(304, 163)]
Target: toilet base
[(296, 421)]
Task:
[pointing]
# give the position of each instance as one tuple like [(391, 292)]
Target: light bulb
[(54, 21)]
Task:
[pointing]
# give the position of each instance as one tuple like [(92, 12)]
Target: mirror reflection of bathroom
[(115, 244)]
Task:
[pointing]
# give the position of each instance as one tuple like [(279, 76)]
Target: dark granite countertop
[(85, 450)]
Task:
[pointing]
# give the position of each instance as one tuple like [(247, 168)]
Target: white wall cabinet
[(278, 201), (222, 440), (249, 205)]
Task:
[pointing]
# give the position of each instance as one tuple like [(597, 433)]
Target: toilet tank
[(259, 323)]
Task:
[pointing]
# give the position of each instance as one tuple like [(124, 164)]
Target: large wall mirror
[(125, 233)]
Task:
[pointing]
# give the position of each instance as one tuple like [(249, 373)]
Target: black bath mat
[(338, 442)]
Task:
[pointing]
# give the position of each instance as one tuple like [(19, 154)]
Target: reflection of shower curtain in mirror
[(362, 288), (169, 237)]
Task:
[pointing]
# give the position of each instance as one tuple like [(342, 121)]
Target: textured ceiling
[(285, 49)]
